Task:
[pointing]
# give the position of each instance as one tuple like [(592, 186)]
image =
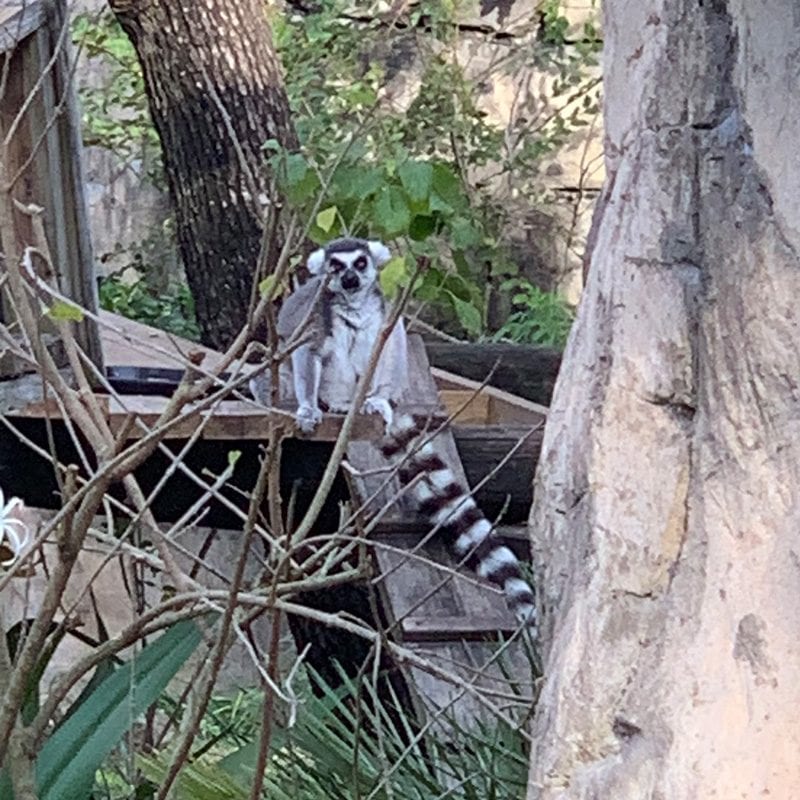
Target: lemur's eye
[(336, 265), (361, 263)]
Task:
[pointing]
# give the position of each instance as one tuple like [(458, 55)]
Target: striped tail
[(448, 504)]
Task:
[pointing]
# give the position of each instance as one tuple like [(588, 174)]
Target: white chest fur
[(346, 351)]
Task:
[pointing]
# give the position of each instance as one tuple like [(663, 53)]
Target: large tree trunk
[(216, 94), (667, 518)]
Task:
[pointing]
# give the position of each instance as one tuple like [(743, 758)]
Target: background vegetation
[(423, 174)]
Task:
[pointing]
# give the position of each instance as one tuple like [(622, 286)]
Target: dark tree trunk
[(216, 94)]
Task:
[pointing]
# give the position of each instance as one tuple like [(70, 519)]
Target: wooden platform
[(128, 343), (440, 611)]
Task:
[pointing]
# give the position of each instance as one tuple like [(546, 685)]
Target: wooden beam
[(229, 420), (18, 21), (523, 370), (503, 407)]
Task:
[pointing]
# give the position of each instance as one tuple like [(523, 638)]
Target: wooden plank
[(504, 407), (68, 218), (229, 420), (464, 406), (441, 628), (507, 455), (523, 370), (428, 584), (127, 343), (18, 21), (47, 145)]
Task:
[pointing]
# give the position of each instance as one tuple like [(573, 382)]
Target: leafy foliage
[(115, 113), (421, 173), (131, 294), (334, 751), (414, 175), (67, 762), (540, 317)]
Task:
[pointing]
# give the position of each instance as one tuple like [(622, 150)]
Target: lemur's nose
[(350, 281)]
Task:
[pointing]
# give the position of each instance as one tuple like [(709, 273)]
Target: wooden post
[(47, 149)]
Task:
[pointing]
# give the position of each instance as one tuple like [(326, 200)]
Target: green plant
[(349, 743), (540, 317), (115, 111), (92, 727), (132, 295), (418, 175), (421, 202)]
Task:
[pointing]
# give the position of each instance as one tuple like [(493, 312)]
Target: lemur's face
[(351, 271), (350, 264)]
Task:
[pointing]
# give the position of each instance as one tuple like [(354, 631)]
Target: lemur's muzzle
[(350, 281)]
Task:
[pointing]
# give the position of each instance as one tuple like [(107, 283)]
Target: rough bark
[(216, 94), (666, 525)]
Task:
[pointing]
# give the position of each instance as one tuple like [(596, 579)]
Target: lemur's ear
[(316, 261), (379, 252)]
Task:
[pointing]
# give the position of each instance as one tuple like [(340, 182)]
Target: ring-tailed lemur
[(343, 310)]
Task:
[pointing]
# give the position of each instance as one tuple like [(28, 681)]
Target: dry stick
[(401, 653), (150, 622), (102, 443), (207, 685), (20, 763), (69, 545), (276, 523), (71, 540), (343, 439)]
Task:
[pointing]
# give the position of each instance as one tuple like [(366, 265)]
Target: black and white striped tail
[(448, 504)]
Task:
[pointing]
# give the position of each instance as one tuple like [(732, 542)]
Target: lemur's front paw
[(307, 418), (379, 405)]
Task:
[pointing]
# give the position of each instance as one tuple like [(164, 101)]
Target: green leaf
[(391, 212), (326, 218), (62, 311), (468, 315), (300, 182), (446, 185), (68, 760), (416, 177), (233, 457), (393, 275), (463, 234), (266, 286), (356, 182), (421, 227)]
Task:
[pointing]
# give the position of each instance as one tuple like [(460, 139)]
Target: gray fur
[(344, 310)]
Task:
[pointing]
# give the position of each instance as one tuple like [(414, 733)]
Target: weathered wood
[(66, 214), (128, 343), (18, 21), (527, 371), (228, 420), (482, 449), (502, 407), (44, 156)]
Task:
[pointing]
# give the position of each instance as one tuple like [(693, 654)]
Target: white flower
[(14, 532)]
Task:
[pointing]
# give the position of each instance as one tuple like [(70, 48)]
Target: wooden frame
[(46, 150)]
